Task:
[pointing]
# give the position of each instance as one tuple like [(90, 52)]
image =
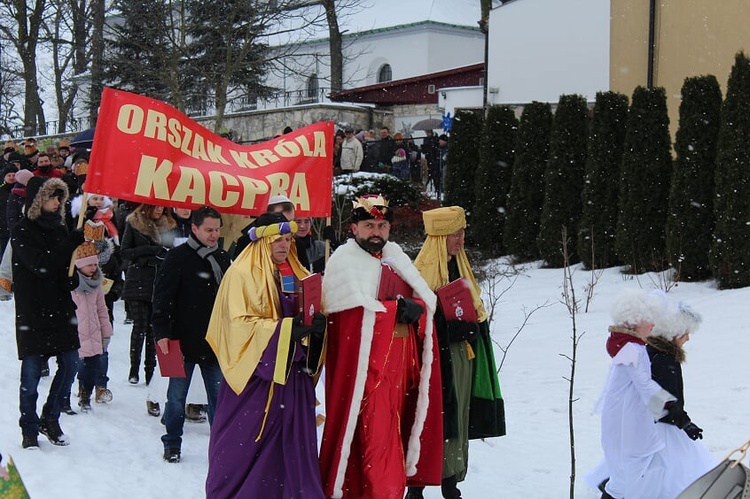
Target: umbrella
[(428, 124), (83, 140)]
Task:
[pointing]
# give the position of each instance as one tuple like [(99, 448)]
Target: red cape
[(342, 363)]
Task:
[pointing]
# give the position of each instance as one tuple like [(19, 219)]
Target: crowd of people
[(407, 385), (402, 156)]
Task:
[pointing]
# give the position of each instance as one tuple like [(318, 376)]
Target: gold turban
[(432, 261), (444, 221)]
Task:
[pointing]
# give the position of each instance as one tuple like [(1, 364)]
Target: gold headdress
[(371, 206)]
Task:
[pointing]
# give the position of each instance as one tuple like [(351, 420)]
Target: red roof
[(415, 90)]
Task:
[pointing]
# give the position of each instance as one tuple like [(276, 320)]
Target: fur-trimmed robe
[(360, 330)]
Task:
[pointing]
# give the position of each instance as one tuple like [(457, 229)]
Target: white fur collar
[(352, 278)]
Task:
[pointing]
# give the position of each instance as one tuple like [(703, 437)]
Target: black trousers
[(140, 312)]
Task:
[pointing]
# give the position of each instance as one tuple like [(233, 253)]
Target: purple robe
[(284, 462)]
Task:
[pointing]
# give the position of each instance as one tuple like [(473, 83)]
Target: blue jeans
[(31, 372), (174, 412), (91, 371)]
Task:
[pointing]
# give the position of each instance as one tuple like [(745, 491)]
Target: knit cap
[(23, 176)]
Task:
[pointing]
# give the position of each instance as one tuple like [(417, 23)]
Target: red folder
[(172, 364), (308, 297), (456, 301), (391, 286)]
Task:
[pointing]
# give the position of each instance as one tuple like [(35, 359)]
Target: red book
[(391, 286), (172, 364), (456, 301), (308, 297)]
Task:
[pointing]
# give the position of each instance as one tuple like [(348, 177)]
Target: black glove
[(462, 331), (90, 212), (329, 234), (317, 329), (408, 311), (693, 431), (676, 415)]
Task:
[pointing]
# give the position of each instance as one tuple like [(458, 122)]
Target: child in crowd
[(94, 327), (632, 401), (684, 459), (103, 211)]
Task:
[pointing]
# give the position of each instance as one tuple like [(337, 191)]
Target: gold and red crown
[(375, 205)]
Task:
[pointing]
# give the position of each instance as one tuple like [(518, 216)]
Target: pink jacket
[(93, 320)]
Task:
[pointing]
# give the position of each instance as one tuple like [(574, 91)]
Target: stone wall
[(255, 126)]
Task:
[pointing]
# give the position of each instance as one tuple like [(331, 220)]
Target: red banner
[(146, 151)]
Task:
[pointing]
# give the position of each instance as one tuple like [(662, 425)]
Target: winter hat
[(278, 200), (634, 306), (23, 176), (16, 157), (41, 189), (86, 254), (8, 169), (64, 144), (10, 146), (444, 221), (679, 320)]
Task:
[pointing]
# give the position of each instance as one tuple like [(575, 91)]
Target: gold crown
[(369, 201), (81, 167), (84, 250), (93, 231)]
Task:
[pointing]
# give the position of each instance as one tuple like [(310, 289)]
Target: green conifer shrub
[(601, 181), (492, 180), (527, 182), (563, 180), (644, 183), (690, 220), (730, 255)]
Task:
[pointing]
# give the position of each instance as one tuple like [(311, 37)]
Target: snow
[(115, 450)]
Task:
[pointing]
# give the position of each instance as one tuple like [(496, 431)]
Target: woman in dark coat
[(148, 234), (7, 182), (45, 313)]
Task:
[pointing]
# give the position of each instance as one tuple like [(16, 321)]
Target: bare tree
[(572, 304), (20, 24), (97, 58), (335, 46), (499, 279)]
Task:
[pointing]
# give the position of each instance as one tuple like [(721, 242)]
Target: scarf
[(105, 216), (619, 337), (207, 253), (88, 285), (50, 220)]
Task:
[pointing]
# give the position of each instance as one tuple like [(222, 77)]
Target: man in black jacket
[(184, 294), (45, 313)]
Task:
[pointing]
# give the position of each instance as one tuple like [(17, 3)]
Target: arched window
[(312, 87), (384, 73)]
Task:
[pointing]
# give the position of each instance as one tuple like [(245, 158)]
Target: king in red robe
[(383, 391)]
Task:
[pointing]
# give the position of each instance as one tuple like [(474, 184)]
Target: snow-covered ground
[(115, 450)]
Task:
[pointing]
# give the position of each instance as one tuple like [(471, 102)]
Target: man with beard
[(382, 373)]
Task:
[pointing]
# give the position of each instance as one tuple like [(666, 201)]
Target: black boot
[(133, 376), (414, 493), (65, 408), (448, 488)]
